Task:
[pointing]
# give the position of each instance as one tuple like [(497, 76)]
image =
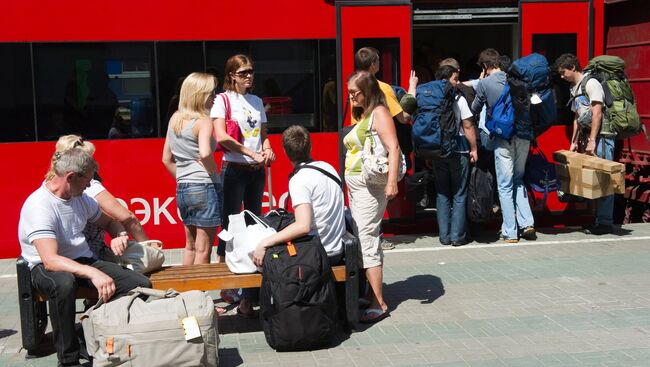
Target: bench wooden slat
[(206, 277)]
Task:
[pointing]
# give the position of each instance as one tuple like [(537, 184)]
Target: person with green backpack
[(593, 133)]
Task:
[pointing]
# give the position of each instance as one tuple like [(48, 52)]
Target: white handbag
[(241, 241), (143, 257), (374, 159)]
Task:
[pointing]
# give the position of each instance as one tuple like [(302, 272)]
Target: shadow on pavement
[(426, 288), (7, 332)]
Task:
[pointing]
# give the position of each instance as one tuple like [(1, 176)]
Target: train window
[(389, 62), (552, 46), (98, 90), (290, 77), (16, 99), (176, 60)]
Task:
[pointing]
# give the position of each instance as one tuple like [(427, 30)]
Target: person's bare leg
[(376, 296), (204, 240), (190, 252)]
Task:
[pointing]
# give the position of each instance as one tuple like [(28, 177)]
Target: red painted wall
[(82, 20)]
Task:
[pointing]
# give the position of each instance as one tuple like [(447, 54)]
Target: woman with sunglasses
[(107, 202), (368, 201), (243, 165), (188, 156)]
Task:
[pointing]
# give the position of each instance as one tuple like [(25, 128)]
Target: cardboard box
[(587, 161), (589, 176)]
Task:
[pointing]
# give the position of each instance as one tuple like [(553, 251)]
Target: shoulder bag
[(375, 159), (232, 126), (143, 257)]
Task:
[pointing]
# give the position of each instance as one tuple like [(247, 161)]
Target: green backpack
[(620, 113)]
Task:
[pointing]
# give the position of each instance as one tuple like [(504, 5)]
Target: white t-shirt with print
[(594, 93), (309, 186), (248, 111), (45, 215)]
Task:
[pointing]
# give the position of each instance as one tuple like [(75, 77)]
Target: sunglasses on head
[(243, 73), (78, 143)]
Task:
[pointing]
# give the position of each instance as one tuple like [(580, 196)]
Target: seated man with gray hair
[(51, 237)]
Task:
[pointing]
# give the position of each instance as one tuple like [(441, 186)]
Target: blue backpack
[(540, 174), (500, 116), (529, 76), (434, 126)]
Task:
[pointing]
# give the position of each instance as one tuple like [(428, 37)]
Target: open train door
[(551, 28), (386, 26)]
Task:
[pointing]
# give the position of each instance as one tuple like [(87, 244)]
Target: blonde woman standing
[(368, 201), (188, 156)]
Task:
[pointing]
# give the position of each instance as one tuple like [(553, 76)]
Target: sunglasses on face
[(245, 73), (353, 93)]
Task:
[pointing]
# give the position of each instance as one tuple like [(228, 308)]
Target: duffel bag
[(172, 329)]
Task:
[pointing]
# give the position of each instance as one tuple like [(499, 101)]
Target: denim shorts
[(199, 203)]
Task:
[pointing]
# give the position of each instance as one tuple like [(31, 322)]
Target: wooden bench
[(33, 309)]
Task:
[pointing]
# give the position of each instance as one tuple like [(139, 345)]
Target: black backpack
[(298, 296), (480, 195)]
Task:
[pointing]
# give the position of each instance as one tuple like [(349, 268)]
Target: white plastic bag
[(241, 241)]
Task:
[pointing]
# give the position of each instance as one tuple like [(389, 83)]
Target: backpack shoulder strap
[(331, 176)]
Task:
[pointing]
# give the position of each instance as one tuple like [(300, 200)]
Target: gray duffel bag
[(131, 332)]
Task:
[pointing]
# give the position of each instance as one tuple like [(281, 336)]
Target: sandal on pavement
[(220, 310), (379, 315), (247, 315), (386, 246)]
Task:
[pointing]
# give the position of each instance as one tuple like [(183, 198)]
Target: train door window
[(288, 77), (176, 60), (98, 90), (16, 97), (552, 46), (389, 60)]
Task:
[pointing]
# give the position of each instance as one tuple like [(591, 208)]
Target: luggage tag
[(534, 99), (191, 328), (291, 249)]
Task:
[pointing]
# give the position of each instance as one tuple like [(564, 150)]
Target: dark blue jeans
[(241, 184), (451, 183)]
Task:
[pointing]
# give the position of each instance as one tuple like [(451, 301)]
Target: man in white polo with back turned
[(316, 196), (51, 237)]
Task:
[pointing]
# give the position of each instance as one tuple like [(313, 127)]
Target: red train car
[(67, 67)]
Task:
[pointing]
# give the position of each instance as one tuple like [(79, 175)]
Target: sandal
[(385, 245), (380, 315), (247, 315)]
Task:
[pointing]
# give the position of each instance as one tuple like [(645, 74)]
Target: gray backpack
[(130, 331)]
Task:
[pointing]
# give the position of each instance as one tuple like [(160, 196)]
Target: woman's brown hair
[(369, 88), (234, 63)]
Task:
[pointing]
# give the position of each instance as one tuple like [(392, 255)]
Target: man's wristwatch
[(123, 233)]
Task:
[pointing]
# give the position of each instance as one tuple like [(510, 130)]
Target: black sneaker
[(458, 243), (598, 229), (529, 233)]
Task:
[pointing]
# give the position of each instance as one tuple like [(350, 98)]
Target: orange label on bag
[(291, 248), (109, 345)]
